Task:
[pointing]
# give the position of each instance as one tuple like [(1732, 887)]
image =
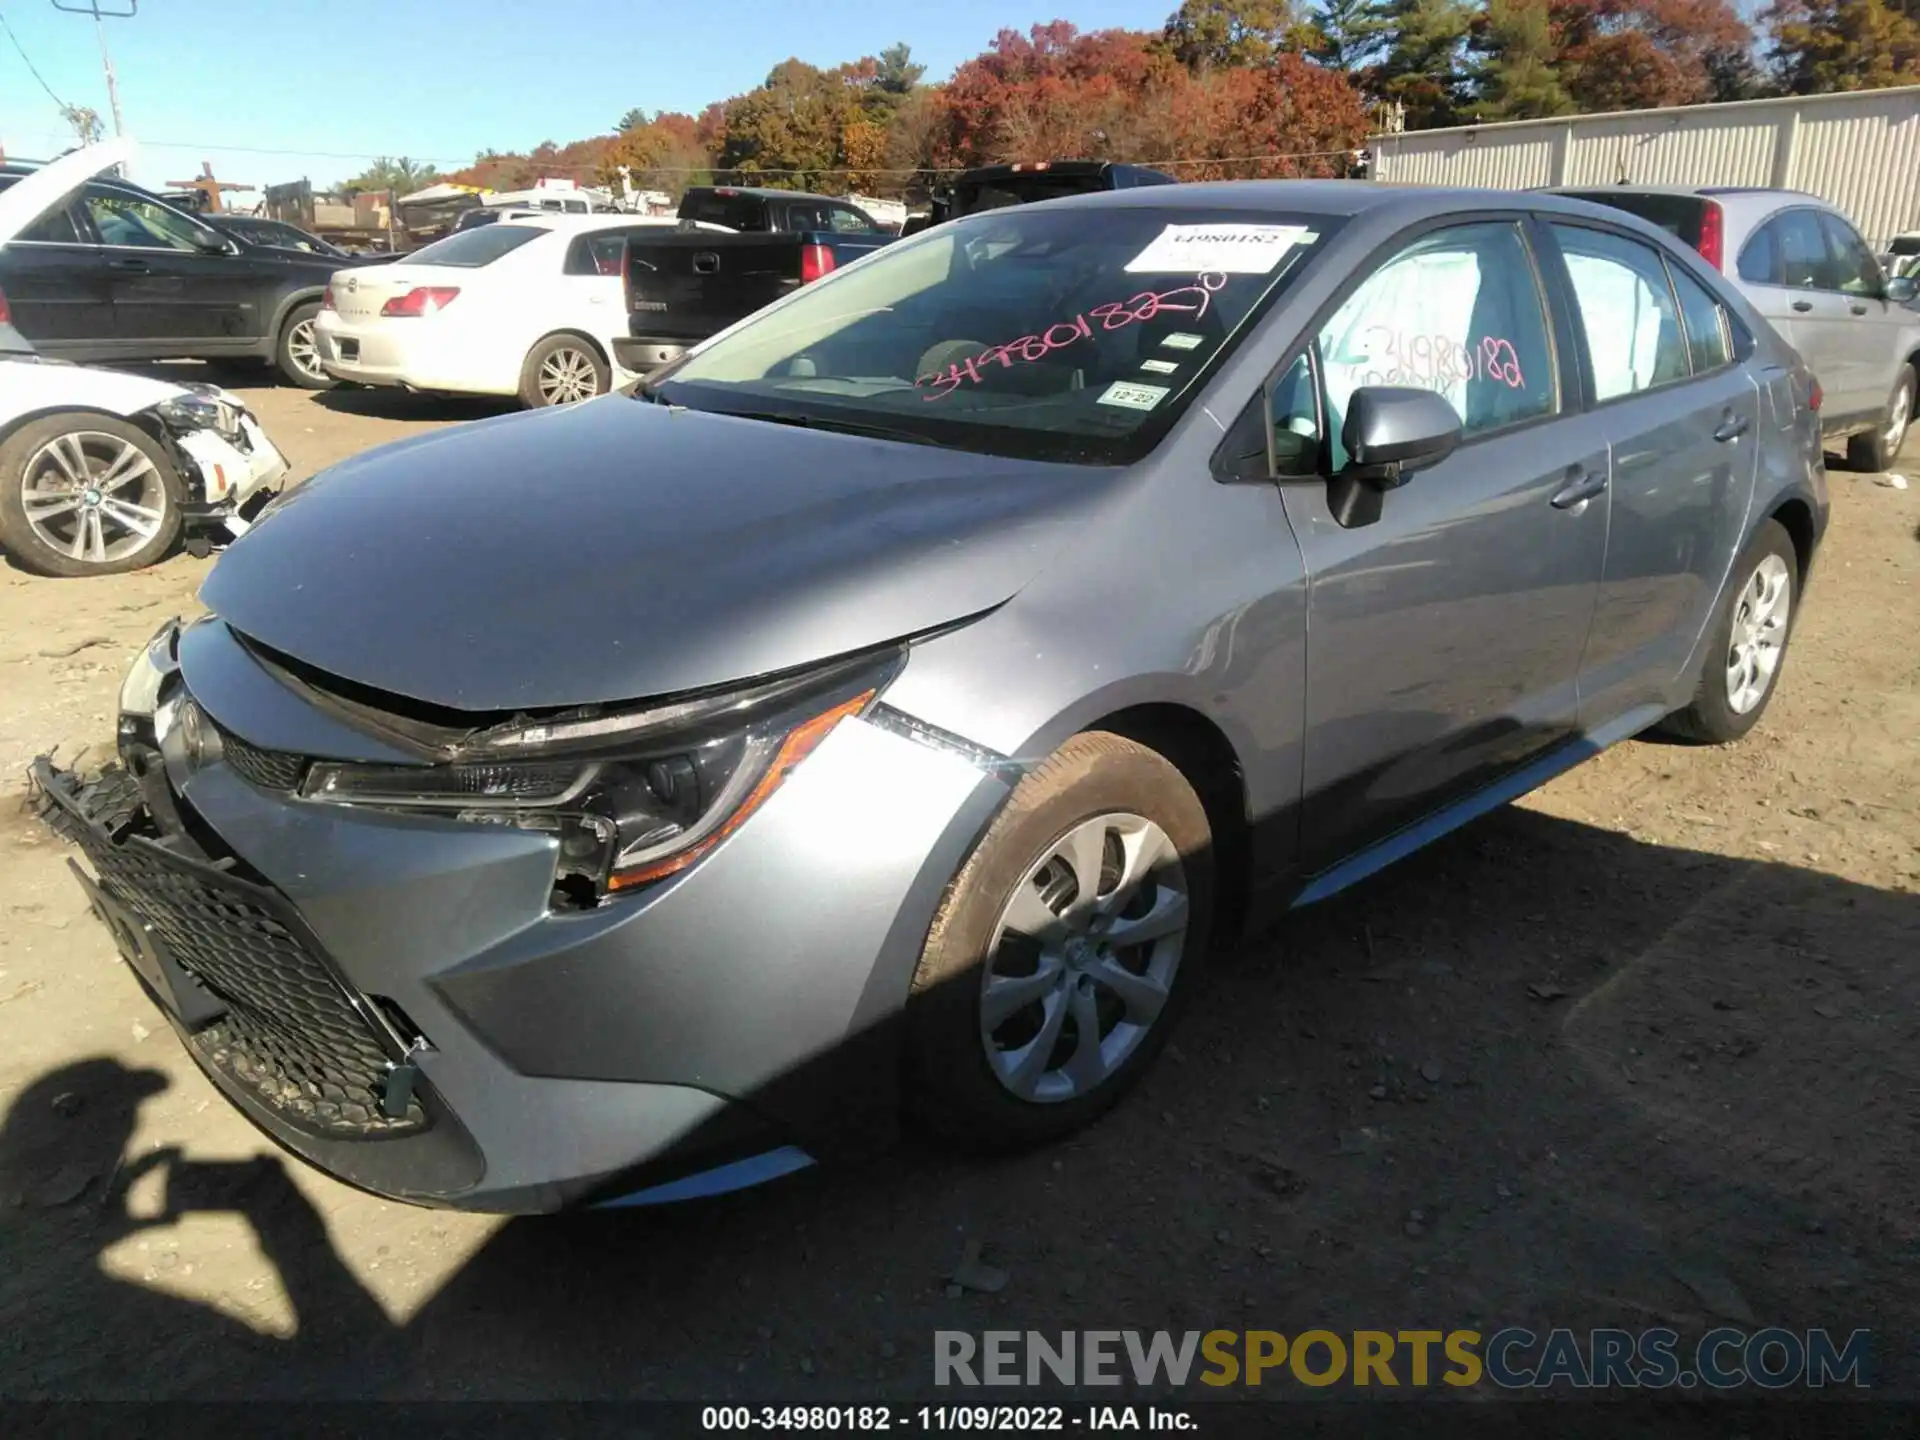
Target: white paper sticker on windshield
[(1160, 367), (1180, 340), (1219, 249), (1133, 397)]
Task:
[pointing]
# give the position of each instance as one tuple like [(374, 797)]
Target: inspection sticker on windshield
[(1133, 397), (1219, 249), (1182, 341), (1160, 367)]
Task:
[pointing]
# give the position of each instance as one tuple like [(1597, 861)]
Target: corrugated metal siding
[(1859, 151)]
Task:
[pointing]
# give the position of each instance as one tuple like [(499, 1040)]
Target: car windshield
[(474, 248), (1076, 334)]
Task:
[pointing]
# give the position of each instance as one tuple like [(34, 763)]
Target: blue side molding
[(1423, 833), (737, 1175)]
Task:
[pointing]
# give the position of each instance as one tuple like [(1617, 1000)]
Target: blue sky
[(334, 83)]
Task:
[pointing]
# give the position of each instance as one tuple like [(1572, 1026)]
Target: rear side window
[(1627, 311), (473, 248), (596, 254), (1457, 312), (848, 221), (1709, 343), (1805, 261)]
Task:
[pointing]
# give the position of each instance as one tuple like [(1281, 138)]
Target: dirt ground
[(1371, 1119)]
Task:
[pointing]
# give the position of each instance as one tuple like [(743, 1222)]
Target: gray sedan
[(889, 706)]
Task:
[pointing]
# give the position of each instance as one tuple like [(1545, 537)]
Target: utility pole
[(92, 7)]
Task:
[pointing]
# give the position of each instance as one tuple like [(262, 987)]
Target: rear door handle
[(1857, 308), (1582, 485), (1731, 426), (1803, 306), (706, 263)]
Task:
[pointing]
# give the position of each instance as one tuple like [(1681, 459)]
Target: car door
[(1683, 418), (1444, 638), (1877, 339), (56, 282), (1790, 271), (593, 287), (175, 280)]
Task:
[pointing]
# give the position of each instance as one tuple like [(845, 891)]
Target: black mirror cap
[(1398, 428)]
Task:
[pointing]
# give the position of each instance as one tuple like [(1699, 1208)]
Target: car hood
[(28, 384), (621, 550)]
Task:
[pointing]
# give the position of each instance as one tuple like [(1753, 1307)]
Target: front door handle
[(1857, 308), (1581, 486), (1803, 306), (1731, 426), (138, 267)]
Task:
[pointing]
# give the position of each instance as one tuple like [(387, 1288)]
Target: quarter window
[(1627, 311), (1457, 312), (1708, 343)]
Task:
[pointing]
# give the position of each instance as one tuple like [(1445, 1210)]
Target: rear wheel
[(562, 370), (1750, 643), (1065, 949), (297, 356), (1876, 449), (85, 494)]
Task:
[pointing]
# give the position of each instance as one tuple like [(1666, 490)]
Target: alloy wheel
[(303, 353), (568, 376), (93, 497), (1898, 416), (1083, 958), (1759, 637)]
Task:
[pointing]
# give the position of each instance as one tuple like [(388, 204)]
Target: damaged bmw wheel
[(86, 495)]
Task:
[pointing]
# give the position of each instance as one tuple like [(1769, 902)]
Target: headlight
[(199, 411), (630, 797), (140, 691)]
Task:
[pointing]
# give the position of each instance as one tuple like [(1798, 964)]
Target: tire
[(558, 369), (1716, 715), (295, 346), (1096, 785), (1874, 450), (50, 460)]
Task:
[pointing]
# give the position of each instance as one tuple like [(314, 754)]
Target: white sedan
[(528, 306)]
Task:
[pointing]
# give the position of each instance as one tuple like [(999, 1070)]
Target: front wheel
[(562, 370), (1874, 450), (298, 355), (1065, 948), (86, 495), (1749, 643)]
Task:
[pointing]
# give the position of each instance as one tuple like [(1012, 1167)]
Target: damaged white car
[(101, 471)]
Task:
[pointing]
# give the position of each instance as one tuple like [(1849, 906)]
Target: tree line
[(1232, 89)]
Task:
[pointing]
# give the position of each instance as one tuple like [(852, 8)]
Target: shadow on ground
[(1542, 1075)]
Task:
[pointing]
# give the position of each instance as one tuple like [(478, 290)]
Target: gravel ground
[(1637, 1050)]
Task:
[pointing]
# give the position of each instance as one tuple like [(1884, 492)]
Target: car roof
[(1328, 197), (762, 192)]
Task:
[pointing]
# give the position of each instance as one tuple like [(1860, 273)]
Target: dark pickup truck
[(993, 186), (686, 284)]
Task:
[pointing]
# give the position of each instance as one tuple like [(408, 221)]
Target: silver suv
[(1806, 269)]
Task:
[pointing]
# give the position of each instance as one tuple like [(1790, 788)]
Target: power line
[(31, 68)]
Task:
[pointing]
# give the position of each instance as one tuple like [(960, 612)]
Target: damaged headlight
[(630, 797), (200, 410)]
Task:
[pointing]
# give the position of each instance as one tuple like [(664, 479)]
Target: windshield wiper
[(844, 427)]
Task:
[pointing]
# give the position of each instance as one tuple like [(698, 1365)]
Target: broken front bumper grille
[(264, 769), (293, 1035)]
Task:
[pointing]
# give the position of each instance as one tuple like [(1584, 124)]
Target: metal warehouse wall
[(1859, 150)]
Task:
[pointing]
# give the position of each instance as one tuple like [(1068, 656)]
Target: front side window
[(1627, 311), (1709, 343), (849, 222), (1071, 334), (1294, 402), (1457, 312), (1859, 269), (126, 220)]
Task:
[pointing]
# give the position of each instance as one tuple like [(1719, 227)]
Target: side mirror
[(1390, 432), (216, 245), (1900, 289), (1393, 430)]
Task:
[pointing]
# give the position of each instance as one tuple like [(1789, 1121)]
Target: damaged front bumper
[(230, 466)]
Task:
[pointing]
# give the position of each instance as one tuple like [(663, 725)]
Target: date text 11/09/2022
[(927, 1419)]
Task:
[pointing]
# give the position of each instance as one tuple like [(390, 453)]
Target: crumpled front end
[(232, 470)]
